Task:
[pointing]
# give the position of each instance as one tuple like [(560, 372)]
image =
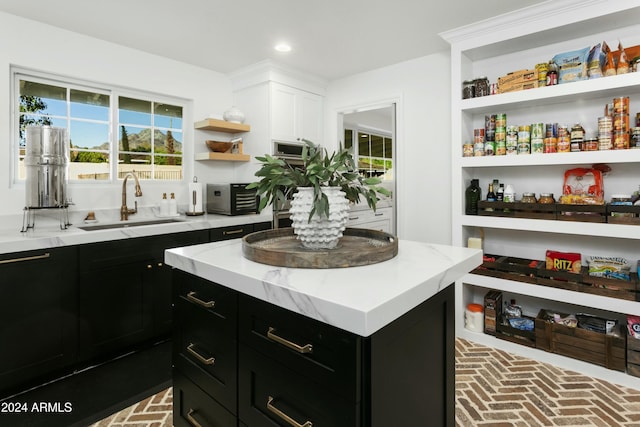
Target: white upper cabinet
[(295, 114)]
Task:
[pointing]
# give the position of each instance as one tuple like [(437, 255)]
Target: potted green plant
[(324, 185)]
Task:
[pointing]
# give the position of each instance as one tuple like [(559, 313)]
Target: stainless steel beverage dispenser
[(46, 162)]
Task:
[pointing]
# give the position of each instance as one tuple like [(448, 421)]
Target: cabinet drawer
[(325, 354), (218, 302), (205, 354), (270, 392), (193, 407), (231, 232)]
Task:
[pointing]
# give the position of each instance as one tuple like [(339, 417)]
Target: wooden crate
[(581, 213), (613, 209), (614, 288), (593, 347), (508, 333), (633, 356), (559, 279), (510, 268), (517, 210)]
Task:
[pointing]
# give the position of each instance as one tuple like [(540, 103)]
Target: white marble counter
[(47, 232), (358, 299)]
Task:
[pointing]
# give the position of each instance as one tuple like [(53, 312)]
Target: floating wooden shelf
[(231, 157), (221, 126)]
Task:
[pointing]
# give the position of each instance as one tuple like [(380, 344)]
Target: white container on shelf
[(474, 317)]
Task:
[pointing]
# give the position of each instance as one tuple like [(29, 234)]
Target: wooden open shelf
[(222, 126), (230, 157)]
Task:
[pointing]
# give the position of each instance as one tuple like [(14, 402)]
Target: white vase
[(319, 233), (234, 115)]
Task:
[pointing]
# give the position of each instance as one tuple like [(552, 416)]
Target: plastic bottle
[(173, 205), (472, 196), (500, 193), (164, 205)]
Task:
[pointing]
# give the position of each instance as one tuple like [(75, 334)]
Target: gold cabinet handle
[(191, 296), (27, 258), (308, 348), (204, 360), (240, 230), (284, 416), (192, 420)]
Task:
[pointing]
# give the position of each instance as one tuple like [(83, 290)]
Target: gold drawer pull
[(300, 349), (27, 258), (238, 231), (191, 296), (205, 361), (192, 420), (284, 416)]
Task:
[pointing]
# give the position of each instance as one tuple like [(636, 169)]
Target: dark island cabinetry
[(259, 365), (38, 303)]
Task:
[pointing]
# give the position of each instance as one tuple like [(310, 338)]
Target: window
[(110, 133), (374, 152)]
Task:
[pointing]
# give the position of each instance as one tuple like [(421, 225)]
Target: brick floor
[(493, 388)]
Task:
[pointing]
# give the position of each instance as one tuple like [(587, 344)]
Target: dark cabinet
[(38, 333), (293, 370), (193, 407), (205, 345), (125, 291), (237, 231)]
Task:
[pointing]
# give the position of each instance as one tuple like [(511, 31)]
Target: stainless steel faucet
[(124, 210)]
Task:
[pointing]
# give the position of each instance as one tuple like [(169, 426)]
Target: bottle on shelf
[(173, 205), (500, 193), (164, 205), (472, 196), (491, 195)]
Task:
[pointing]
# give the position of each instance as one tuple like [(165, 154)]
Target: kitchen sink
[(127, 224)]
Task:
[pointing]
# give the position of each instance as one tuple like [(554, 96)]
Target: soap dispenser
[(164, 205), (173, 205)]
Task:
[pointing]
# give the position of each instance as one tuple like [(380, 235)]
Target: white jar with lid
[(474, 317)]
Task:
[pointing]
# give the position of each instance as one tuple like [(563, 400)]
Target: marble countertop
[(357, 299), (48, 234)]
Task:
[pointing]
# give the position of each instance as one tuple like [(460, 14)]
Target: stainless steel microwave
[(231, 199), (291, 152)]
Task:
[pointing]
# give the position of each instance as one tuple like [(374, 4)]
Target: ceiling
[(330, 38)]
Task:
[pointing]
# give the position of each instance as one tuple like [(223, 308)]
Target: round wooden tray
[(356, 247)]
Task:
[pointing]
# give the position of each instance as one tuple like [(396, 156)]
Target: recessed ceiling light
[(282, 47)]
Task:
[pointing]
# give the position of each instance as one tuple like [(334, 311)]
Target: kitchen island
[(275, 346)]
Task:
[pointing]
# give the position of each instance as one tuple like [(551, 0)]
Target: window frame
[(114, 92)]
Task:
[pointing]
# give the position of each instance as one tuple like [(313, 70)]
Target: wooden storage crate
[(510, 268), (633, 356), (559, 279), (614, 288), (508, 333), (581, 213), (613, 209), (593, 347), (517, 210)]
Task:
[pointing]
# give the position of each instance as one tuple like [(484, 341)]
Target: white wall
[(41, 47), (422, 89)]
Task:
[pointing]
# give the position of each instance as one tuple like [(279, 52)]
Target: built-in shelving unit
[(224, 127), (517, 41)]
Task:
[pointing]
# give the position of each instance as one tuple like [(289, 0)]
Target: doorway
[(370, 132)]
